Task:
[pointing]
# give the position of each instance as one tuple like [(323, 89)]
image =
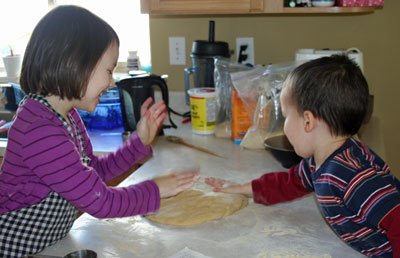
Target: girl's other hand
[(151, 120), (174, 183), (4, 126), (220, 185)]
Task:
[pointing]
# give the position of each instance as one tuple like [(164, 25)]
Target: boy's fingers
[(216, 182)]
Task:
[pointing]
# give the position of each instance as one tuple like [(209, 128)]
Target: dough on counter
[(192, 207)]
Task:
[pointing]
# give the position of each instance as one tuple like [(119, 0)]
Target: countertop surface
[(293, 229)]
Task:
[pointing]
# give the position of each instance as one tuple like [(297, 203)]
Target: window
[(124, 16), (18, 22)]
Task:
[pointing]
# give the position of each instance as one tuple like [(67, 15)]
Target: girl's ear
[(310, 121)]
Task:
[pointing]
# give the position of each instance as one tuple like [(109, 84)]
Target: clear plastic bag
[(259, 89), (223, 86)]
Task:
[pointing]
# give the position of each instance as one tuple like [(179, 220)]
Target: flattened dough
[(192, 207)]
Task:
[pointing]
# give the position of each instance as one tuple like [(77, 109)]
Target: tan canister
[(203, 109)]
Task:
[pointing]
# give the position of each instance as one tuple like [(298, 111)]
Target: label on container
[(240, 118), (203, 110)]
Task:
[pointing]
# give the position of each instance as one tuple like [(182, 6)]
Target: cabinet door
[(201, 6), (183, 7)]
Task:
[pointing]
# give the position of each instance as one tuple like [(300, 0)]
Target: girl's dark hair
[(334, 90), (63, 51)]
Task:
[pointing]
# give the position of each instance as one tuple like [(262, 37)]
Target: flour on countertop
[(289, 254)]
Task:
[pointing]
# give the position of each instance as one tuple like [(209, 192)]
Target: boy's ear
[(310, 121)]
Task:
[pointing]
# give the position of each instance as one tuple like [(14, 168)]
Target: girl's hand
[(220, 185), (174, 183), (151, 120), (3, 126)]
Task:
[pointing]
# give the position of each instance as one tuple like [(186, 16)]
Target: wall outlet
[(245, 50), (177, 51)]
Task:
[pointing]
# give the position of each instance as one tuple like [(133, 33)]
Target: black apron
[(29, 230)]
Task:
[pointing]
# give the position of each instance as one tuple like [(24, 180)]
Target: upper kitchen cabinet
[(201, 6), (185, 7)]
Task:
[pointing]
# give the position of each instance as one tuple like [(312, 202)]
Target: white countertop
[(295, 229), (5, 79)]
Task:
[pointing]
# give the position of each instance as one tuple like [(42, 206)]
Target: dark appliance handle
[(162, 85)]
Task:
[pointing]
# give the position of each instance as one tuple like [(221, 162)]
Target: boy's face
[(101, 79), (294, 125)]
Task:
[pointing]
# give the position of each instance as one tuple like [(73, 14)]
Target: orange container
[(240, 118)]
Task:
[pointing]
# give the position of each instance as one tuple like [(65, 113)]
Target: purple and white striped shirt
[(41, 158)]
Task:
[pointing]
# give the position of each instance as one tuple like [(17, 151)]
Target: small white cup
[(12, 64)]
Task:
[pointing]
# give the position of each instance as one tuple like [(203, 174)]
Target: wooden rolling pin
[(178, 140)]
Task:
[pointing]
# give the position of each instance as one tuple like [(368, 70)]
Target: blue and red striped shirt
[(357, 194)]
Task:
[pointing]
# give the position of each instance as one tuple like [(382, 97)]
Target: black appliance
[(134, 91)]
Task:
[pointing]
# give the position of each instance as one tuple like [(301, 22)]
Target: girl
[(49, 169)]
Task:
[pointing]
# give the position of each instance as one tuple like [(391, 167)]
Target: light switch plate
[(177, 51), (245, 48)]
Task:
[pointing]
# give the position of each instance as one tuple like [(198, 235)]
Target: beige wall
[(277, 37)]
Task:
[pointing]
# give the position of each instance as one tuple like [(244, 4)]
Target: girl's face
[(101, 79), (294, 125)]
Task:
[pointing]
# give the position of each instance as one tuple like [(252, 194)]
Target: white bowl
[(322, 3)]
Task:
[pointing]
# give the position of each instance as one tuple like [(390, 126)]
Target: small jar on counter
[(133, 61)]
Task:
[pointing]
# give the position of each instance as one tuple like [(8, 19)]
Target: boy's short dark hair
[(334, 90), (63, 51)]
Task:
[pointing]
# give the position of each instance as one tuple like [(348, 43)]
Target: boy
[(324, 102)]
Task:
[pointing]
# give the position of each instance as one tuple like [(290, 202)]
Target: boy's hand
[(151, 120), (220, 185)]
